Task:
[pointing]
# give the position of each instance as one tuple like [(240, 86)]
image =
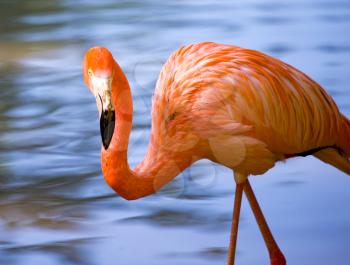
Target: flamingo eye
[(90, 73)]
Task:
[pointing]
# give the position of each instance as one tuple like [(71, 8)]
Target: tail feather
[(333, 157), (339, 158), (344, 137)]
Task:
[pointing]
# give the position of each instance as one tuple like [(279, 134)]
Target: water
[(55, 207)]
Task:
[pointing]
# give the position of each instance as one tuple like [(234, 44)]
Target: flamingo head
[(99, 70)]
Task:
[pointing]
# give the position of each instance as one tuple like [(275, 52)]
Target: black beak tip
[(107, 124), (105, 144)]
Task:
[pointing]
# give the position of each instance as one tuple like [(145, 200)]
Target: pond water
[(55, 207)]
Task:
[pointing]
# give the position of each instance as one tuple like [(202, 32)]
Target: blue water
[(55, 207)]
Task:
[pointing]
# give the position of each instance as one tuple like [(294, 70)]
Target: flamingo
[(237, 107)]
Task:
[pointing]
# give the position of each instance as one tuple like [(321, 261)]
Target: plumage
[(245, 99), (238, 107)]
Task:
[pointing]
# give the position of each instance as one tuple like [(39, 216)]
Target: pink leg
[(234, 226), (276, 256)]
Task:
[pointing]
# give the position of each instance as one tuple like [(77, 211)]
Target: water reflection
[(67, 252), (54, 205)]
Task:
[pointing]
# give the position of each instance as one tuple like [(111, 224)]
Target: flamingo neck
[(157, 167)]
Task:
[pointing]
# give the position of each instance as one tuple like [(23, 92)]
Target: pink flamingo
[(234, 106)]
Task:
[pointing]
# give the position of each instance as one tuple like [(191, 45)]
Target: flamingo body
[(241, 108)]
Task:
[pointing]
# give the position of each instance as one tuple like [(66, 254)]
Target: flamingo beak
[(102, 90), (107, 124)]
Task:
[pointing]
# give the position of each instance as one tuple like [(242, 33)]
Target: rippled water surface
[(55, 207)]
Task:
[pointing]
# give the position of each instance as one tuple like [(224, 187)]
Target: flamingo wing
[(238, 98)]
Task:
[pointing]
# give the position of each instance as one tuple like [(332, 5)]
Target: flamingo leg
[(235, 221), (276, 255)]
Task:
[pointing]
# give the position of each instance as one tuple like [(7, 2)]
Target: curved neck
[(158, 166)]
